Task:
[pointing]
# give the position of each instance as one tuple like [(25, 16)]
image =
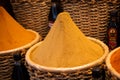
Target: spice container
[(14, 39), (7, 61), (37, 71), (69, 56), (112, 62)]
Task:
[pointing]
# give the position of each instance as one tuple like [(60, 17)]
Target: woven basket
[(111, 72), (7, 61), (32, 14), (91, 16), (39, 72)]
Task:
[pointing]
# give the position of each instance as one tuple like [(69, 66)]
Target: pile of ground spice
[(12, 34), (115, 60), (66, 46)]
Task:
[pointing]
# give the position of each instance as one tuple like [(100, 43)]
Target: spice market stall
[(88, 18)]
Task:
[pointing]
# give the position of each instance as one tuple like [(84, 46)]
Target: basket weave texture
[(91, 18), (89, 15), (85, 74), (7, 64), (32, 14), (110, 76)]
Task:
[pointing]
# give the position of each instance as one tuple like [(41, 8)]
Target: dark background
[(6, 4)]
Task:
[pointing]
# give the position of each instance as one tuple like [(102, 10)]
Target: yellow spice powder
[(12, 34), (66, 46)]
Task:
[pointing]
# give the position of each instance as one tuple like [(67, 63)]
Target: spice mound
[(12, 34), (115, 60), (66, 46)]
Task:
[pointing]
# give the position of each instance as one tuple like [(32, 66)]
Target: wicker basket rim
[(108, 64), (38, 37), (52, 69)]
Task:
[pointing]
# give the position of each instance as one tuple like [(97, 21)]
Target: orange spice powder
[(12, 34), (115, 60)]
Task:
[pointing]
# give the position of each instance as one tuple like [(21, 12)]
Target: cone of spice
[(65, 46), (13, 35), (14, 39)]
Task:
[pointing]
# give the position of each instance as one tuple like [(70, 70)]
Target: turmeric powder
[(12, 34), (115, 60), (66, 46)]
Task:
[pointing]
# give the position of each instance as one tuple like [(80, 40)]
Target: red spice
[(115, 61)]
